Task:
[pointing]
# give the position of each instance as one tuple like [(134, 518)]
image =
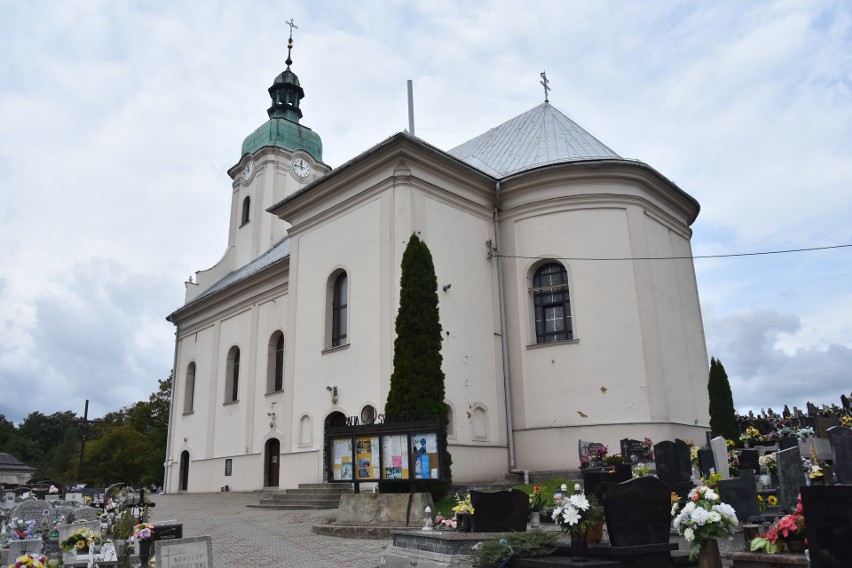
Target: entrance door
[(272, 463), (183, 474), (333, 420)]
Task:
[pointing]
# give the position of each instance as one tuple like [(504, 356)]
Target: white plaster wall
[(351, 243), (561, 381), (456, 238), (229, 431)]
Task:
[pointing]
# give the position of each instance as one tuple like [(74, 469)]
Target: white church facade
[(567, 291)]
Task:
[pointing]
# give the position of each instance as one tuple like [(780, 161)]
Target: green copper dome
[(283, 130), (283, 133)]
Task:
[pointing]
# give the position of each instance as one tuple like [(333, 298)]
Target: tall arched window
[(339, 309), (552, 304), (232, 379), (189, 394), (246, 209), (275, 363)]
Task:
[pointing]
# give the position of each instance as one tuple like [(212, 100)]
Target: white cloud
[(118, 122)]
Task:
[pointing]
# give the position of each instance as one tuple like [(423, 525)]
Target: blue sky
[(119, 120)]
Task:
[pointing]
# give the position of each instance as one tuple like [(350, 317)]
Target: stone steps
[(308, 496)]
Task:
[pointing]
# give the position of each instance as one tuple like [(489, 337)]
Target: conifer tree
[(723, 419), (417, 383)]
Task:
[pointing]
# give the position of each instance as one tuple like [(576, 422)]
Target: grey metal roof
[(280, 250), (10, 463), (538, 137)]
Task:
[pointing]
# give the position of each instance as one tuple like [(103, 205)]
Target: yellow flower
[(772, 500), (81, 544), (760, 498)]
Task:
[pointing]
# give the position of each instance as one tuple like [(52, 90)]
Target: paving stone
[(264, 538)]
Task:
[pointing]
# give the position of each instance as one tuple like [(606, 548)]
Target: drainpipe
[(504, 344)]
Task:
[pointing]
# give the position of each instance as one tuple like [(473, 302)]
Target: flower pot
[(796, 544), (579, 547), (708, 554), (595, 534), (535, 519), (463, 522), (750, 532)]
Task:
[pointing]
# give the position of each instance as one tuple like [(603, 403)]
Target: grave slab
[(720, 456), (791, 477), (841, 451)]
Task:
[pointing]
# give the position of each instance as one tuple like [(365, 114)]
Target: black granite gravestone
[(594, 478), (706, 462), (828, 524), (841, 453), (791, 477), (500, 511), (748, 460), (665, 456), (637, 511), (787, 442), (632, 451), (741, 494), (591, 453), (683, 460)]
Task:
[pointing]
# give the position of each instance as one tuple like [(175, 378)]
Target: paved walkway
[(263, 538)]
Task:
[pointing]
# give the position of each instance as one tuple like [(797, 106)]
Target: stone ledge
[(359, 531), (763, 560)]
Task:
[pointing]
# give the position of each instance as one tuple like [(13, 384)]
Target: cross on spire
[(544, 82), (290, 40)]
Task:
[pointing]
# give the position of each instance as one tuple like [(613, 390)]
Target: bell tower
[(279, 158)]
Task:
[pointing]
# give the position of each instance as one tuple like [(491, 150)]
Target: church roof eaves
[(375, 150), (276, 254)]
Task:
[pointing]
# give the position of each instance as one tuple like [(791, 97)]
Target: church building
[(567, 292)]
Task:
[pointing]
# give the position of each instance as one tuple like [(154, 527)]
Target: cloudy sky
[(119, 120)]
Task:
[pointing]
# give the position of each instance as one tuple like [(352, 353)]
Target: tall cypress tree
[(417, 383), (723, 419)]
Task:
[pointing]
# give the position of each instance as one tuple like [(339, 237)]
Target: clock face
[(301, 167), (248, 171)]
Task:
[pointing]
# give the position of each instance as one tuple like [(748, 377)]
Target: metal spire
[(544, 83), (290, 40)]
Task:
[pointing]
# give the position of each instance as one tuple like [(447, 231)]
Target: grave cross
[(83, 425)]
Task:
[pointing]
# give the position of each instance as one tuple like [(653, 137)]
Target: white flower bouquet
[(703, 517)]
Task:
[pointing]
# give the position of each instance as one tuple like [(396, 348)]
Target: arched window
[(552, 304), (339, 309), (275, 363), (246, 209), (479, 424), (451, 425), (232, 379), (189, 394)]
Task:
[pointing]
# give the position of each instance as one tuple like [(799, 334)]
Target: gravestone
[(828, 525), (844, 400), (85, 514), (594, 478), (590, 451), (706, 463), (823, 423), (821, 447), (841, 453), (632, 451), (788, 442), (741, 494), (720, 456), (32, 509), (638, 512), (500, 511), (748, 460), (673, 465), (179, 553), (791, 477), (20, 547), (167, 530)]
